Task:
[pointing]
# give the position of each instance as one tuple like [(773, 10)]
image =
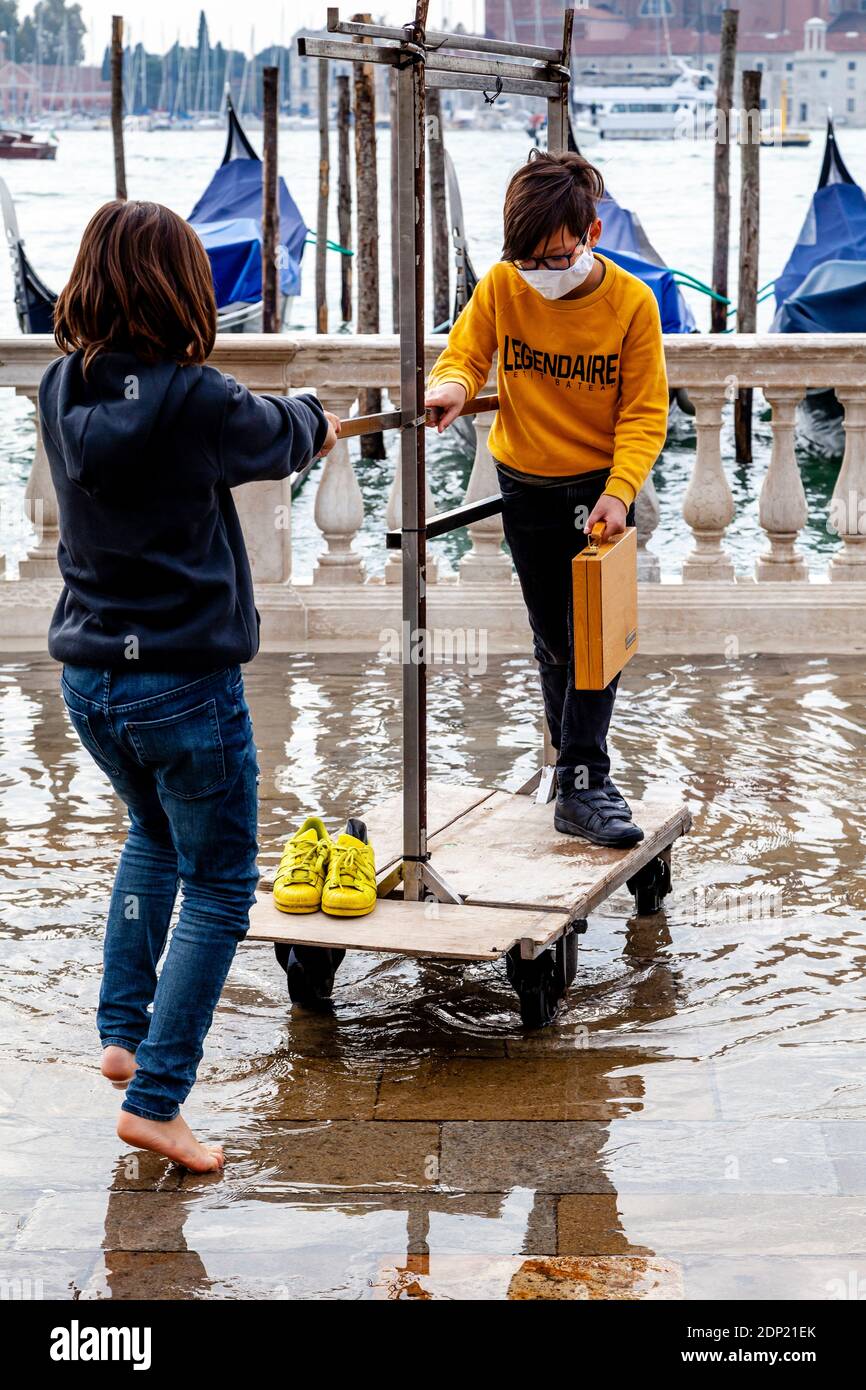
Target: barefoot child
[(583, 406), (153, 624)]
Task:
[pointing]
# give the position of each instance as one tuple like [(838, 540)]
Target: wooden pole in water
[(344, 197), (722, 197), (438, 208), (270, 205), (367, 192), (117, 106), (747, 286), (395, 215), (324, 190)]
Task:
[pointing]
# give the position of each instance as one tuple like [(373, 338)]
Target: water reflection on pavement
[(693, 1125)]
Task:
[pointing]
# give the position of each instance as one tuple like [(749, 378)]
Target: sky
[(157, 23)]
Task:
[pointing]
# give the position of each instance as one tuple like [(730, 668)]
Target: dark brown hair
[(550, 191), (141, 283)]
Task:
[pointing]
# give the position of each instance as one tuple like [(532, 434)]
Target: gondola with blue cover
[(34, 301), (624, 241), (822, 288), (834, 228), (228, 218)]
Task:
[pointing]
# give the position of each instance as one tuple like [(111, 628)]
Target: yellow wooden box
[(604, 578)]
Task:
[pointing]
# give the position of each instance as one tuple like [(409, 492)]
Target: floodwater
[(694, 1125)]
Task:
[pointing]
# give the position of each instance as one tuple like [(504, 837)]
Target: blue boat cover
[(831, 299), (676, 316), (835, 225), (228, 218), (622, 230), (624, 240)]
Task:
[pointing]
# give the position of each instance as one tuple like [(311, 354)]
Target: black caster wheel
[(650, 885), (310, 972), (541, 983), (538, 987)]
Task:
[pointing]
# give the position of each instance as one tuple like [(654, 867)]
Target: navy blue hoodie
[(143, 458)]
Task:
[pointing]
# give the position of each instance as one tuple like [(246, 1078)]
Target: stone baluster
[(782, 508), (708, 506), (265, 511), (486, 561), (40, 502), (848, 506), (339, 509), (646, 516)]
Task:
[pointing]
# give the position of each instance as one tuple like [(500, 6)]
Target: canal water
[(694, 1125), (668, 184)]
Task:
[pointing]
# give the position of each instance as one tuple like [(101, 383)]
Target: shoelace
[(300, 861), (347, 863)]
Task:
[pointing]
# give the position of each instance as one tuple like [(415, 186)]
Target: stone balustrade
[(708, 607)]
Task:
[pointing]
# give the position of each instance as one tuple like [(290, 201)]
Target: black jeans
[(544, 530)]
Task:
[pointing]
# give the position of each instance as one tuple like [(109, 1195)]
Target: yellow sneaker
[(304, 863), (350, 887)]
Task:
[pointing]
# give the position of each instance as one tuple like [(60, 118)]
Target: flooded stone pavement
[(693, 1126)]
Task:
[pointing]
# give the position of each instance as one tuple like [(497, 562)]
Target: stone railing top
[(283, 361)]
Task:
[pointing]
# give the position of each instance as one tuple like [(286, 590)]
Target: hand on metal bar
[(393, 420), (444, 403)]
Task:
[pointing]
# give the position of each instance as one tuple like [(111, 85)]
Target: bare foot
[(118, 1065), (173, 1139)]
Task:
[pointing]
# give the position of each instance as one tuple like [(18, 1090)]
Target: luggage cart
[(444, 888)]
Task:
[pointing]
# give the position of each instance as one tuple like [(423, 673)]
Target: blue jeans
[(179, 752)]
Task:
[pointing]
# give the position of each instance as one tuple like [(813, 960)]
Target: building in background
[(19, 91), (812, 52)]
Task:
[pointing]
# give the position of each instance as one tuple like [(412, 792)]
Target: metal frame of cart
[(523, 929), (424, 59)]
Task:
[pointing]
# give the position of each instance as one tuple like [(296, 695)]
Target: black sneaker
[(616, 799), (589, 813)]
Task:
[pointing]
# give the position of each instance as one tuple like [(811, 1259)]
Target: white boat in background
[(674, 103), (463, 118)]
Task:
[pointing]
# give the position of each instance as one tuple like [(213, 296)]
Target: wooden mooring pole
[(722, 171), (344, 196), (117, 106), (322, 211), (270, 204), (747, 285), (439, 238), (367, 193)]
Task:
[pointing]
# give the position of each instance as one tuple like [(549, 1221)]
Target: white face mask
[(553, 284)]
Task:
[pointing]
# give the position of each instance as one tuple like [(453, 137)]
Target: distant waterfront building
[(19, 90), (812, 50), (75, 87)]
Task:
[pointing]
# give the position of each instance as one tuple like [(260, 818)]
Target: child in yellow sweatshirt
[(583, 404)]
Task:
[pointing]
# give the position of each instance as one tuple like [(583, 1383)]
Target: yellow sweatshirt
[(581, 382)]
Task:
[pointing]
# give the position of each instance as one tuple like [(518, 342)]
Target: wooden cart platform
[(522, 882)]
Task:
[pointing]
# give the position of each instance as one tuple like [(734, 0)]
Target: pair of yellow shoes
[(338, 876)]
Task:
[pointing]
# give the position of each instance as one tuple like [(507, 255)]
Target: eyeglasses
[(550, 262)]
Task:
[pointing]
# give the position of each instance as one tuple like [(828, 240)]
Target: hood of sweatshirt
[(103, 423)]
